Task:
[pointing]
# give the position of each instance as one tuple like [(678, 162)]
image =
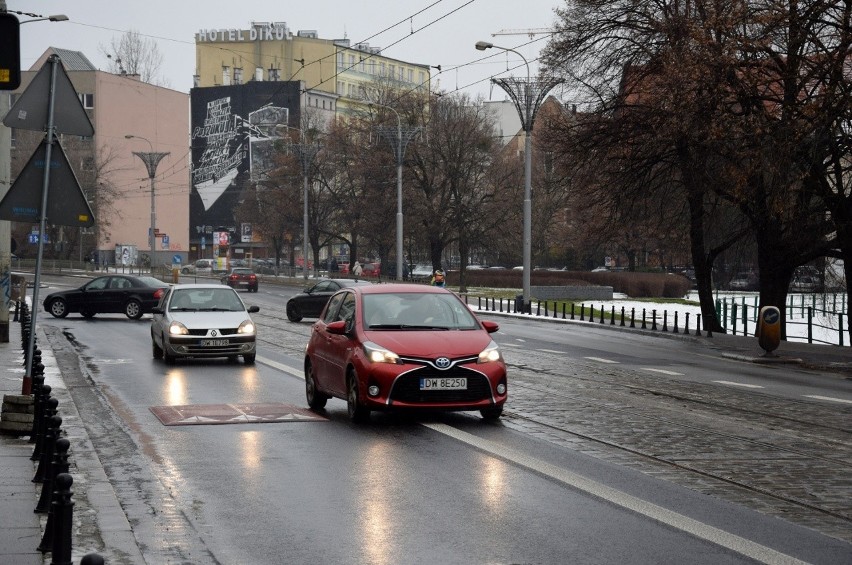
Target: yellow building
[(271, 52)]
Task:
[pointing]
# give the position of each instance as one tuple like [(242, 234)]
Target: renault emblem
[(442, 363), (214, 333)]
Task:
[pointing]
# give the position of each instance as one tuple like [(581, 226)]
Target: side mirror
[(253, 309), (490, 326), (307, 289), (337, 328)]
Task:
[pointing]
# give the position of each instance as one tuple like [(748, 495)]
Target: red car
[(403, 346), (241, 278)]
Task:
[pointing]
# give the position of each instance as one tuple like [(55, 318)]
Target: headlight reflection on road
[(377, 502), (250, 450), (175, 391), (493, 483)]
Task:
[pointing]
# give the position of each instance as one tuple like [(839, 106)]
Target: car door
[(92, 296), (339, 346), (116, 294), (321, 341)]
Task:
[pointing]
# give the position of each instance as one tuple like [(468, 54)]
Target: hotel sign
[(260, 32)]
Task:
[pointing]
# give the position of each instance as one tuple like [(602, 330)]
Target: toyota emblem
[(442, 363)]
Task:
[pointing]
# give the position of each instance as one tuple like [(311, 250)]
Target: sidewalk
[(101, 525)]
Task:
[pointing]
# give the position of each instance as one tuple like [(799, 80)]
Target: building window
[(339, 61), (401, 74), (372, 66), (362, 65), (392, 71), (410, 75), (88, 100), (238, 76), (422, 76), (351, 61), (382, 69), (226, 75), (340, 88)]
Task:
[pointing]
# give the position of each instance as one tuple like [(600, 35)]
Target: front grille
[(222, 332), (407, 387)]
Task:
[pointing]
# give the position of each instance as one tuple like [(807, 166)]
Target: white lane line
[(550, 351), (667, 517), (602, 360), (663, 371), (281, 367), (829, 398), (731, 383), (510, 345)]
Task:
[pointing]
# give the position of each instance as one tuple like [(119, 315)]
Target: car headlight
[(378, 354), (247, 327), (176, 328), (490, 354)]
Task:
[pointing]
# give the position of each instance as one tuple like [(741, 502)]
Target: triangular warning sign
[(30, 111), (66, 203)]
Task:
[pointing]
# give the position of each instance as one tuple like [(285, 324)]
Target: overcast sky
[(433, 32)]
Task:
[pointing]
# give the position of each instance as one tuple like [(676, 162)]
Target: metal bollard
[(48, 409), (63, 512), (92, 559), (57, 466), (612, 316), (654, 319), (50, 437), (674, 329), (38, 406), (665, 320)]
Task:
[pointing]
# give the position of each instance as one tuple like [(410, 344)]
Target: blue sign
[(176, 259)]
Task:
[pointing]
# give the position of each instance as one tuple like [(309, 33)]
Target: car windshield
[(413, 310), (205, 299)]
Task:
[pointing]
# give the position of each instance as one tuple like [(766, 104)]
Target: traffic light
[(10, 51)]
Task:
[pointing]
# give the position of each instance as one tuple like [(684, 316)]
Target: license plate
[(443, 384), (213, 342)]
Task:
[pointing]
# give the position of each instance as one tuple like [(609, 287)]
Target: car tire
[(491, 414), (58, 308), (293, 313), (156, 350), (87, 313), (357, 412), (249, 358), (133, 309), (186, 271), (316, 399)]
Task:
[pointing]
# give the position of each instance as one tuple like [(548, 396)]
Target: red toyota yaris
[(403, 346)]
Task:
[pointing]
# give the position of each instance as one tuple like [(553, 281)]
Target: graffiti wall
[(234, 129)]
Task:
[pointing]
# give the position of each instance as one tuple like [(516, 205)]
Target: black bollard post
[(674, 329), (582, 312), (622, 316), (48, 409), (501, 304), (665, 320), (63, 511), (572, 310), (57, 466), (644, 325), (538, 308), (546, 314), (51, 435), (479, 303), (92, 559), (563, 310), (38, 405), (612, 316), (654, 319), (17, 308), (602, 314), (686, 324), (633, 317), (698, 324)]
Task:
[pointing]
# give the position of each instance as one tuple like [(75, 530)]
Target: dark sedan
[(241, 277), (110, 294), (309, 304)]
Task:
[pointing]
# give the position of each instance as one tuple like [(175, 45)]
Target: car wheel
[(491, 414), (58, 308), (249, 359), (316, 399), (156, 350), (185, 270), (133, 309), (357, 411), (293, 313), (87, 313)]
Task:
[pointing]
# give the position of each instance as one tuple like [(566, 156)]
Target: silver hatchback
[(203, 320)]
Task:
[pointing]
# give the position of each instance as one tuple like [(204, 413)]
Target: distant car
[(310, 302), (403, 346), (371, 270), (111, 294), (199, 267), (803, 283), (743, 281), (391, 271), (241, 278), (203, 320), (421, 272)]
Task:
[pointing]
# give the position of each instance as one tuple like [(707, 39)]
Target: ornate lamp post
[(151, 160)]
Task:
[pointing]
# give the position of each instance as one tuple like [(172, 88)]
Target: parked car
[(111, 294), (199, 267), (391, 271), (203, 320), (803, 283), (403, 346), (310, 302), (241, 278), (743, 281), (371, 270), (421, 272)]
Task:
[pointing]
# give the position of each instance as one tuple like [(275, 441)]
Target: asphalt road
[(613, 448)]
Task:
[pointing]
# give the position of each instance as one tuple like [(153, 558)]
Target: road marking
[(549, 351), (281, 367), (510, 345), (664, 516), (602, 360), (663, 371), (829, 398), (737, 384)]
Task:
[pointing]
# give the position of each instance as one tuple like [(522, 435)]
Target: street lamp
[(151, 160), (53, 18), (400, 143), (527, 96)]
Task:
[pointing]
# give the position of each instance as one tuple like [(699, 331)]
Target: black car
[(309, 304), (241, 278), (110, 294)]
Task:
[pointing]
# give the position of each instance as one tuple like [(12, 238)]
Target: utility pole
[(151, 160)]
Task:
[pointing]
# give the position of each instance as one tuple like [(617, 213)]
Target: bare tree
[(135, 54)]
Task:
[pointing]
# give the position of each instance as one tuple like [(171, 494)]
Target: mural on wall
[(234, 129)]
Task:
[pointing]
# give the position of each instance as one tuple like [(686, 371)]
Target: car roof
[(347, 282), (211, 286), (391, 288)]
